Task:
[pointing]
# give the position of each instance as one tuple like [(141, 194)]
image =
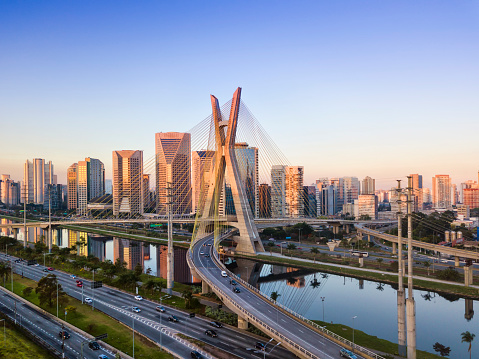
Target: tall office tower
[(441, 191), (202, 165), (369, 185), (173, 165), (264, 200), (320, 184), (294, 191), (328, 200), (340, 200), (383, 196), (350, 189), (127, 182), (367, 205), (463, 186), (72, 184), (147, 197), (128, 251), (417, 192), (247, 159), (454, 195), (310, 204), (426, 196), (36, 175), (471, 197), (55, 193), (9, 191), (278, 191)]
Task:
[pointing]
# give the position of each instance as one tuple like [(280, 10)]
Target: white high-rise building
[(37, 175), (278, 190), (442, 191)]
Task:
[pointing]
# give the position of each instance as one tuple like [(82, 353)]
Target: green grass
[(469, 292), (19, 345), (370, 341), (96, 323)]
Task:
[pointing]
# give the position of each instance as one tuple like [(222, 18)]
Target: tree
[(379, 260), (270, 245), (291, 246), (315, 251), (275, 295), (190, 301), (138, 269), (71, 309), (468, 338), (148, 271), (47, 290), (427, 264), (27, 291), (149, 285)]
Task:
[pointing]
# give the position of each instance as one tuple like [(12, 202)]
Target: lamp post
[(133, 318), (264, 349), (281, 246), (353, 328), (322, 300), (44, 255), (57, 298), (161, 336), (299, 235)]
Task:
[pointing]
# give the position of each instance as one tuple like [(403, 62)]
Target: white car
[(201, 253), (138, 297), (223, 273), (136, 309), (88, 300)]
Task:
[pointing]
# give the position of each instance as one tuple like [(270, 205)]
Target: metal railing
[(320, 329)]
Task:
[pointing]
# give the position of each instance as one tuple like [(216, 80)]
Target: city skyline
[(381, 89)]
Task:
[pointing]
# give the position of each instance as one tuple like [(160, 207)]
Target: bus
[(358, 253)]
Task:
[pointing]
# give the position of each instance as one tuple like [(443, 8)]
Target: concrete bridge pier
[(242, 323), (468, 275), (369, 238), (205, 288), (469, 309), (456, 262), (15, 233), (395, 248), (346, 228), (361, 261)]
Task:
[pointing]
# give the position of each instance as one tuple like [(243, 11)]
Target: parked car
[(94, 345), (196, 355), (216, 324), (173, 318), (138, 297), (64, 334), (136, 309), (88, 300), (259, 346), (223, 273), (160, 308), (211, 333), (347, 354)]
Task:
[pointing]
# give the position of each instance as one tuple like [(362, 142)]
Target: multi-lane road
[(293, 329), (149, 321)]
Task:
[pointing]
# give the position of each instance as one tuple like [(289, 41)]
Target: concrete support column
[(369, 238), (15, 233), (395, 248), (242, 323), (402, 349), (361, 262), (346, 228), (456, 262), (205, 288), (467, 276), (411, 328)]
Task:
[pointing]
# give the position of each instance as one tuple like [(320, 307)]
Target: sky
[(344, 88)]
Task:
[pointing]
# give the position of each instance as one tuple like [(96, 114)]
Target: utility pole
[(63, 341), (170, 254), (401, 295), (25, 233), (410, 304), (50, 218)]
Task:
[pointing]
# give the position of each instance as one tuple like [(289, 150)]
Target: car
[(207, 255), (88, 300), (160, 308), (196, 355), (64, 334), (94, 345), (136, 309), (73, 276), (138, 297), (173, 318), (45, 270), (78, 281), (260, 346), (201, 253), (347, 354), (216, 324), (223, 273), (102, 356), (209, 244), (36, 264), (236, 290), (50, 268), (211, 333), (233, 282), (80, 284)]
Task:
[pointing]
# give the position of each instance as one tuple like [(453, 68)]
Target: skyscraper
[(202, 163), (350, 189), (369, 185), (264, 200), (329, 200), (72, 185), (278, 188), (417, 191), (247, 159), (441, 191), (310, 204), (9, 191), (147, 198), (127, 182), (36, 176), (294, 191), (173, 166)]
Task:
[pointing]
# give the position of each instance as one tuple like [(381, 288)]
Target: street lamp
[(281, 246), (264, 349), (44, 255), (322, 300), (299, 235), (353, 328), (161, 337), (133, 318)]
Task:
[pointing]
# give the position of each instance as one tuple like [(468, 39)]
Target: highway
[(149, 321), (291, 328), (47, 329)]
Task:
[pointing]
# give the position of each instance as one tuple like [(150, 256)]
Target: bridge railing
[(225, 297), (319, 328)]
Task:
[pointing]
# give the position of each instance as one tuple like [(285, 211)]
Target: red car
[(80, 284), (50, 268)]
